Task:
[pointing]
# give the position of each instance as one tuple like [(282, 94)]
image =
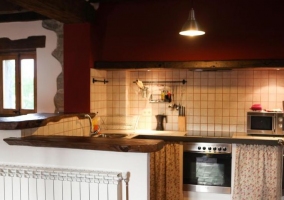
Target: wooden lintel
[(65, 11), (192, 65), (30, 43), (8, 8), (21, 17), (108, 1)]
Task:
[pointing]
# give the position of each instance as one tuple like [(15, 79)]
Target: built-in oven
[(207, 167)]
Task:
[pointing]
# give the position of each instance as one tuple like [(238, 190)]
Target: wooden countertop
[(75, 142), (35, 120), (139, 143), (90, 143), (237, 138)]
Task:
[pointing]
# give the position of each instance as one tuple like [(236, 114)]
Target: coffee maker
[(160, 122)]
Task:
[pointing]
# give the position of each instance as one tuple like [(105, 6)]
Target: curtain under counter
[(166, 173), (258, 172)]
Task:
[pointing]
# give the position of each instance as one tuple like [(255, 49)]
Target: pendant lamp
[(190, 27)]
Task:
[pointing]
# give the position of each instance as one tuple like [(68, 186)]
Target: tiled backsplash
[(98, 92), (68, 126), (214, 101)]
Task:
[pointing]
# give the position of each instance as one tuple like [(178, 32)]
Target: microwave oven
[(265, 123)]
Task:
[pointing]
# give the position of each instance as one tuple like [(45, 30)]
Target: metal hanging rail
[(183, 81), (102, 81)]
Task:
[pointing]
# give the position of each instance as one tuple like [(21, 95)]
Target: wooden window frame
[(26, 45), (18, 57)]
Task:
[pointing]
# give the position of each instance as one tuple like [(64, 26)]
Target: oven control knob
[(199, 148), (209, 148), (280, 119), (204, 148), (219, 148), (214, 148), (224, 149)]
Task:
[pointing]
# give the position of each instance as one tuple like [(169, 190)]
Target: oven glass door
[(202, 169)]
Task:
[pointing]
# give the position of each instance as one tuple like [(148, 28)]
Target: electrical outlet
[(147, 112)]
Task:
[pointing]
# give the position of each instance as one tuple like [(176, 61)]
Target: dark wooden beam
[(21, 17), (9, 8), (31, 43), (65, 11), (192, 65), (107, 1)]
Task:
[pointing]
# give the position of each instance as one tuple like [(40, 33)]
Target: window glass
[(9, 84), (27, 83)]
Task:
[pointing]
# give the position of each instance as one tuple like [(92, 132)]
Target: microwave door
[(261, 124)]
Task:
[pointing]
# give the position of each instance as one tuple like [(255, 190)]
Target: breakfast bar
[(141, 141), (29, 148)]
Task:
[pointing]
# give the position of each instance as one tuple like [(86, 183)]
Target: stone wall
[(57, 27)]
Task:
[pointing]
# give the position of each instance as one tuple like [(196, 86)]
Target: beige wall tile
[(214, 101)]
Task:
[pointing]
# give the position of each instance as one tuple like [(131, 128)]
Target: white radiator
[(36, 183)]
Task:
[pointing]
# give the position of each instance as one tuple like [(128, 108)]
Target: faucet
[(92, 132)]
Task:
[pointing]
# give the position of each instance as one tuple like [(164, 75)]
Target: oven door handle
[(204, 152)]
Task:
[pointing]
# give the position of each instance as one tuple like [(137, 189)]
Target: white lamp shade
[(190, 27)]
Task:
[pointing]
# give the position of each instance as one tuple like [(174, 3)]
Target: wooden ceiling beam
[(65, 11), (21, 17), (107, 1), (30, 43), (192, 65), (8, 8)]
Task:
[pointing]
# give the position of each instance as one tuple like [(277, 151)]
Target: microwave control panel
[(280, 121)]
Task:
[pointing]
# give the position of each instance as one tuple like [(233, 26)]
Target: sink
[(117, 134), (111, 135)]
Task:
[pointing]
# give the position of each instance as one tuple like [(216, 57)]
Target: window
[(18, 78)]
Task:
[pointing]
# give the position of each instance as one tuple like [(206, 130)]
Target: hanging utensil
[(183, 111), (140, 84), (180, 98), (173, 98), (172, 105)]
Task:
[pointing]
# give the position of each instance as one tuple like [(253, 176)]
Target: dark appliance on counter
[(207, 167), (265, 123), (160, 122)]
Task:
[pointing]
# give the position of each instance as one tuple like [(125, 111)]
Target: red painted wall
[(148, 30), (78, 59)]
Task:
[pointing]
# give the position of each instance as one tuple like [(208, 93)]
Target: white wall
[(137, 164), (48, 68)]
